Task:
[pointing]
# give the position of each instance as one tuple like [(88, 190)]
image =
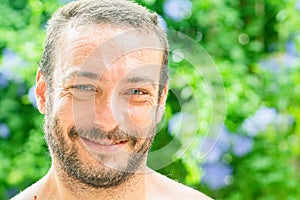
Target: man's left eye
[(137, 92), (138, 96)]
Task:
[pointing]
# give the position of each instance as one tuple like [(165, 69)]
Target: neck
[(64, 187)]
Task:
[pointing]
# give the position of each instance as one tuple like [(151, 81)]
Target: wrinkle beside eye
[(65, 93), (80, 92)]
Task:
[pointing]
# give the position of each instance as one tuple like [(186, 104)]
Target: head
[(121, 14), (102, 85)]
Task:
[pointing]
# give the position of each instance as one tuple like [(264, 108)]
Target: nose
[(105, 114)]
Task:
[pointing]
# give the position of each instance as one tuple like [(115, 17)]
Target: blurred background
[(255, 47)]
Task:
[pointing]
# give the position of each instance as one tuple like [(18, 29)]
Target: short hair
[(116, 13)]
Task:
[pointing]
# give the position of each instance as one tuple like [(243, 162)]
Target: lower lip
[(99, 148)]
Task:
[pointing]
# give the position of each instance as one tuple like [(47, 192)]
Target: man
[(102, 85)]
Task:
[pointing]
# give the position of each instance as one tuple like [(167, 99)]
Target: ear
[(40, 92), (162, 104)]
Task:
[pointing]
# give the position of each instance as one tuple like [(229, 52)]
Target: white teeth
[(107, 142)]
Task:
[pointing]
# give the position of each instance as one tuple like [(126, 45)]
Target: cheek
[(82, 112), (60, 107), (71, 112), (58, 112), (141, 116)]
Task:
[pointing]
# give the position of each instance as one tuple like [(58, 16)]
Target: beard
[(103, 175)]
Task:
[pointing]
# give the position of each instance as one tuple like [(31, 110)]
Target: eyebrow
[(141, 79), (95, 76), (85, 74)]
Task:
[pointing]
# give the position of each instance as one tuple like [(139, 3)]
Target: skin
[(120, 90)]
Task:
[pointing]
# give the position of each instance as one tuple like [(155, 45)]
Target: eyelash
[(88, 88), (135, 91), (83, 87)]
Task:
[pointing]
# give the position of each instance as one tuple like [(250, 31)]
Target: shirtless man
[(102, 85)]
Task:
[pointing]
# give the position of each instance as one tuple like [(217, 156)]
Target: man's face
[(101, 117)]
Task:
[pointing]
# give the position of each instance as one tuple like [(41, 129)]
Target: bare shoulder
[(34, 191), (170, 189), (27, 194)]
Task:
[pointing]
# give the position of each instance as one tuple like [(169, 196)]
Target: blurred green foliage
[(255, 45)]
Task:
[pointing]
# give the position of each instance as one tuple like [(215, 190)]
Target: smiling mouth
[(104, 145)]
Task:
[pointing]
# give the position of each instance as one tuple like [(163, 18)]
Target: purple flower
[(3, 81), (175, 123), (31, 96), (271, 64), (11, 64), (297, 5), (182, 123), (65, 1), (216, 175), (162, 23), (4, 131), (290, 60), (291, 47), (225, 139), (291, 57), (177, 9), (212, 149), (22, 89), (285, 119), (259, 121), (241, 145)]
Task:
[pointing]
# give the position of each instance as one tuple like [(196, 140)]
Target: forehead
[(103, 45)]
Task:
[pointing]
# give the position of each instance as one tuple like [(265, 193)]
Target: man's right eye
[(84, 88), (83, 92)]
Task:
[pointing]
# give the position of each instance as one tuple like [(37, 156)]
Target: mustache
[(95, 134)]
